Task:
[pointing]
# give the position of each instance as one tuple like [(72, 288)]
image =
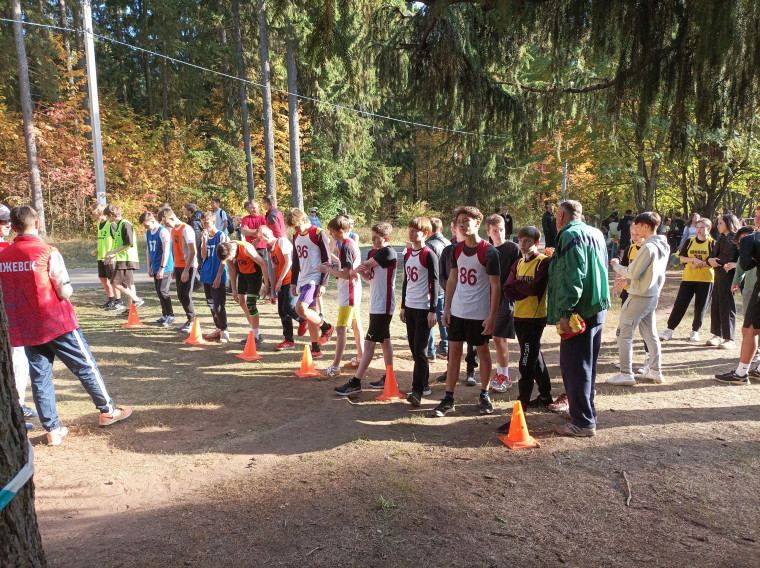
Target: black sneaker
[(159, 321), (446, 406), (414, 398), (186, 328), (485, 404), (754, 373), (539, 402), (427, 391), (139, 302), (107, 305), (470, 380), (115, 307), (443, 353), (125, 313), (431, 356), (732, 378), (379, 383), (441, 379), (354, 386)]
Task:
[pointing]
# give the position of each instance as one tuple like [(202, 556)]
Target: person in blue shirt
[(160, 264), (313, 217), (214, 277)]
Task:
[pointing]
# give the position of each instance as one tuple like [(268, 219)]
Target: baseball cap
[(5, 213), (313, 210)]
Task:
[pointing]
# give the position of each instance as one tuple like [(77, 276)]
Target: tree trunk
[(293, 127), (267, 95), (228, 89), (243, 102), (20, 543), (43, 19), (119, 17), (146, 57), (27, 113), (64, 23), (165, 104)]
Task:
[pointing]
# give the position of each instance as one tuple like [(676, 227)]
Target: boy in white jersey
[(419, 302), (311, 248), (472, 301), (349, 293), (380, 271), (504, 328)]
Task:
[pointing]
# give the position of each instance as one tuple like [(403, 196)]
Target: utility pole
[(92, 88)]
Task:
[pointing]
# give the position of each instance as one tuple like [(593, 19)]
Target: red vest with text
[(36, 314)]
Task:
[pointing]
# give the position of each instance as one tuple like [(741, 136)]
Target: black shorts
[(105, 270), (249, 283), (752, 317), (123, 277), (379, 327), (505, 320), (468, 330)]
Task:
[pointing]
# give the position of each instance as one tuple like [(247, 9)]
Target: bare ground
[(228, 463)]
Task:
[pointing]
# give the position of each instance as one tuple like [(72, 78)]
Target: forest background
[(647, 104)]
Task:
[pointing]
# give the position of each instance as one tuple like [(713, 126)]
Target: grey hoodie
[(646, 273)]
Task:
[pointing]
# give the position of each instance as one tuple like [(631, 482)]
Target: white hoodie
[(646, 273)]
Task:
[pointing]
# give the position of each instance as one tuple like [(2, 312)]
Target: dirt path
[(227, 463)]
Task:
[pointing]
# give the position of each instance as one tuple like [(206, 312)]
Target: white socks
[(742, 369)]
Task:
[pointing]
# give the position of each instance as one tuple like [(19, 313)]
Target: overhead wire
[(364, 113)]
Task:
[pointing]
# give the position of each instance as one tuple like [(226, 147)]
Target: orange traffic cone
[(249, 353), (390, 390), (133, 322), (307, 365), (196, 337), (518, 436)]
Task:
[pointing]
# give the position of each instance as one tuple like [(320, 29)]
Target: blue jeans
[(444, 343), (72, 349), (578, 357)]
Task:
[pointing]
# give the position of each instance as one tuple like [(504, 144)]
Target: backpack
[(230, 224)]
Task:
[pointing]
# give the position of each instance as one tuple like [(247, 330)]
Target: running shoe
[(213, 336), (302, 328), (470, 380), (378, 384), (115, 416), (284, 345), (571, 429), (330, 373), (414, 398), (444, 407), (54, 436), (560, 404), (354, 386), (326, 335), (500, 383), (485, 404), (29, 413), (732, 379)]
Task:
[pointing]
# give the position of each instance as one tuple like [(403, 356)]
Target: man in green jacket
[(578, 284)]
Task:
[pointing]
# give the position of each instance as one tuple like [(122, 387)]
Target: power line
[(364, 113)]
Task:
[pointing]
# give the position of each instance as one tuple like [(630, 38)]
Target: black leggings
[(532, 365), (418, 332), (162, 289), (723, 309), (701, 292), (185, 290), (216, 298)]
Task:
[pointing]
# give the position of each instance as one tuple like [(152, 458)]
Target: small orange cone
[(307, 365), (196, 338), (518, 436), (249, 353), (390, 390), (133, 322)]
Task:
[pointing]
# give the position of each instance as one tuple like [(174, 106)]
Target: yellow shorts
[(346, 315)]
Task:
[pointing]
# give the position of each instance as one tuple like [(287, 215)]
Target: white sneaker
[(224, 336), (652, 375), (617, 364), (621, 379), (727, 344), (694, 336), (667, 335), (715, 340), (54, 436), (643, 370)]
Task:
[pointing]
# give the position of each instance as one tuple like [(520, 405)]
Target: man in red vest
[(36, 289)]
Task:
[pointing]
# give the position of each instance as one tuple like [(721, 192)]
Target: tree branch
[(606, 84)]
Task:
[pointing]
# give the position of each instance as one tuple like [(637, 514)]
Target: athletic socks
[(315, 346), (482, 392), (742, 369), (449, 394)]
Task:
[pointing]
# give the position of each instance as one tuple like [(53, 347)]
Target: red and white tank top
[(382, 282), (309, 256), (472, 297), (417, 282)]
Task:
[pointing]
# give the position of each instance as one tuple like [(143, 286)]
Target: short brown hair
[(97, 209), (224, 250), (383, 229), (469, 211), (164, 213), (295, 217), (650, 218), (147, 216), (494, 219), (339, 223), (572, 208), (192, 207), (530, 232), (421, 224), (113, 211), (437, 224), (22, 218), (270, 200)]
